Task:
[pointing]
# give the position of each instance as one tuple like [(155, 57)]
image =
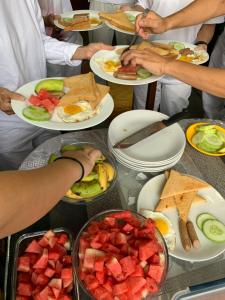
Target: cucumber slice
[(214, 230), (35, 113), (221, 135), (198, 138), (143, 73), (131, 18), (202, 218), (206, 128), (177, 45), (213, 140)]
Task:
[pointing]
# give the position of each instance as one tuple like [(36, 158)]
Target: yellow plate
[(192, 130)]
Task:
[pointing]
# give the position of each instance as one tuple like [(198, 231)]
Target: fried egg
[(164, 225), (110, 65), (80, 111)]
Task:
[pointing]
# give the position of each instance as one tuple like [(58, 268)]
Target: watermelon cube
[(151, 285), (114, 267), (148, 249), (66, 273), (121, 239), (24, 277), (90, 256), (120, 288), (42, 261), (41, 280), (99, 265), (135, 284), (91, 282), (62, 238), (49, 272), (127, 228), (128, 265), (23, 264), (24, 289), (55, 283), (100, 277), (34, 247), (156, 272)]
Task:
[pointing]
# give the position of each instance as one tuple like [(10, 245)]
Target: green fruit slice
[(35, 113), (198, 138)]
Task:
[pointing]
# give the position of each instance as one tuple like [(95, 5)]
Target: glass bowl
[(112, 161), (100, 217)]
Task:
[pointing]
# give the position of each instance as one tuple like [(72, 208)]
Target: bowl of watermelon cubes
[(120, 255), (43, 266)]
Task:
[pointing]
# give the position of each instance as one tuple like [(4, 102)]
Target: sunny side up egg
[(164, 225), (78, 112)]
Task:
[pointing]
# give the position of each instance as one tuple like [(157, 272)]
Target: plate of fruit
[(70, 103)]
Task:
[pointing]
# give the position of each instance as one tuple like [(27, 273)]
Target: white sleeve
[(56, 52), (216, 20), (145, 3)]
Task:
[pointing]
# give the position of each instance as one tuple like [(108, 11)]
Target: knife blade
[(150, 130)]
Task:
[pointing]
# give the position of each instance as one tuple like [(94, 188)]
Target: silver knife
[(150, 130)]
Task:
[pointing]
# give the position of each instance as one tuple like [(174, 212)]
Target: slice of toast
[(118, 19), (180, 184), (183, 203), (168, 203)]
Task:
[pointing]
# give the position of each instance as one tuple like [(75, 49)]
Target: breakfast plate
[(105, 108), (131, 15), (198, 57), (103, 57), (93, 16), (215, 204)]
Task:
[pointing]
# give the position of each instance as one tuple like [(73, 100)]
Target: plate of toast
[(107, 65), (120, 21), (79, 20), (194, 208), (70, 103)]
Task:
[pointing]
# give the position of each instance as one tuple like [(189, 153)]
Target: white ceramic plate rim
[(97, 69), (106, 108), (148, 198), (69, 14)]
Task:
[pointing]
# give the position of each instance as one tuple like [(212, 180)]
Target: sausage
[(193, 235), (125, 76), (185, 240)]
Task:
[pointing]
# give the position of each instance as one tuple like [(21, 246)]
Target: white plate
[(215, 205), (106, 107), (132, 13), (70, 14), (126, 158), (105, 55), (161, 146), (203, 53)]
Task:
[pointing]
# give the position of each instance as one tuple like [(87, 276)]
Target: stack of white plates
[(156, 153)]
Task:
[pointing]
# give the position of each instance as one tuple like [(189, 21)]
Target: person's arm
[(210, 80), (195, 13), (26, 196), (205, 35), (63, 53)]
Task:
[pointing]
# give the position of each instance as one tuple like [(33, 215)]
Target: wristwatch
[(201, 42)]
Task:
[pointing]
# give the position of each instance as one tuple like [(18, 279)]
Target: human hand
[(151, 23), (86, 52), (147, 59), (49, 20), (5, 100), (201, 47), (87, 157)]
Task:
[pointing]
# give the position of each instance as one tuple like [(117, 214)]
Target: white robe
[(57, 7), (24, 49)]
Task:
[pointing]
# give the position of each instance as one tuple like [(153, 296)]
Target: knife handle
[(185, 114)]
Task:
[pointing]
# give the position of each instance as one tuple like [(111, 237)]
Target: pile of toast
[(83, 87), (78, 22), (159, 48), (118, 19)]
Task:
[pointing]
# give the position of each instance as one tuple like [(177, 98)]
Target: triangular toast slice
[(183, 203), (118, 19), (180, 184)]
